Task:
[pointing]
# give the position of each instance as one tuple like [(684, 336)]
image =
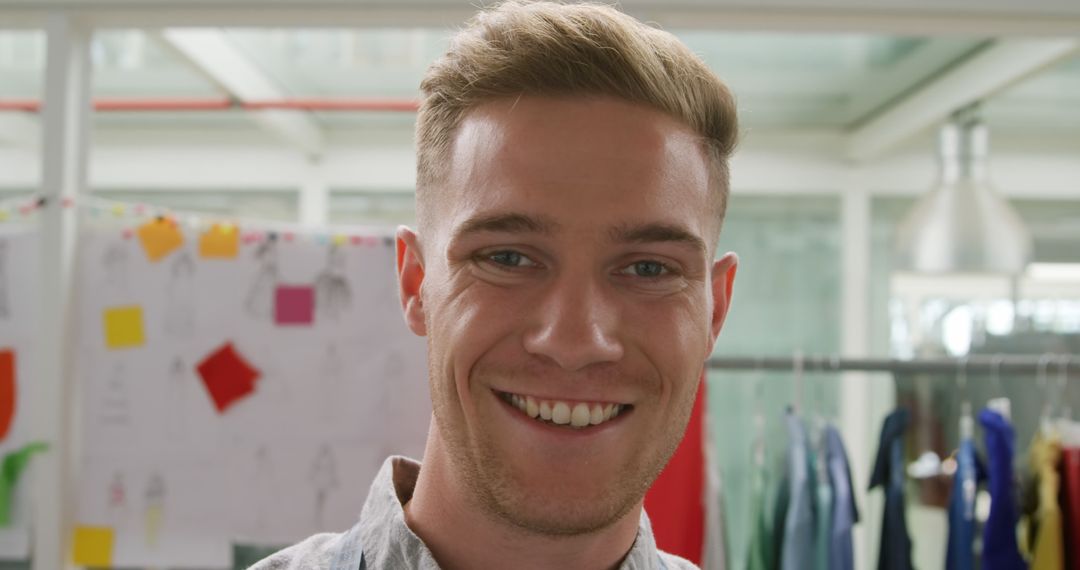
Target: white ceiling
[(784, 81)]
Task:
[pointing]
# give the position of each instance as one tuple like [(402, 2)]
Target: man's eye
[(509, 259), (647, 269)]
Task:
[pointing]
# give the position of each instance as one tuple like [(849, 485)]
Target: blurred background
[(853, 114)]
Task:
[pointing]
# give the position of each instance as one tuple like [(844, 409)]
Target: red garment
[(1070, 505), (675, 503)]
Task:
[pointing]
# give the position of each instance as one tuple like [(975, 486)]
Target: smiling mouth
[(575, 415)]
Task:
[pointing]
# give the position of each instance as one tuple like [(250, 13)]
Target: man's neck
[(460, 536)]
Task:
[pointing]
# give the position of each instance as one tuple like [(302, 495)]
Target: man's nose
[(575, 325)]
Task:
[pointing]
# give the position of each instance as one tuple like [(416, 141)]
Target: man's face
[(565, 272)]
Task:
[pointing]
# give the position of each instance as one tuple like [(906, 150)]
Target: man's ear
[(410, 274), (723, 279)]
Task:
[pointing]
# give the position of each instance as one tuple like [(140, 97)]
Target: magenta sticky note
[(294, 305)]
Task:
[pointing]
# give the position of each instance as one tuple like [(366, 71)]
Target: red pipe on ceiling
[(171, 104)]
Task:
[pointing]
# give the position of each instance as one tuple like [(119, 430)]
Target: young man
[(572, 181)]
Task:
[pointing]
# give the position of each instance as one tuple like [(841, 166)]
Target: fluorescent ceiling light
[(1054, 271)]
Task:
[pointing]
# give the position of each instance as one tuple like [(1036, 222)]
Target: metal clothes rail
[(1055, 364)]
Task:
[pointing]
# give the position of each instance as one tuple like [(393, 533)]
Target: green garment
[(761, 555), (14, 464)]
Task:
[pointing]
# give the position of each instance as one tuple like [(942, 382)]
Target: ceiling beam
[(978, 77), (1045, 18), (18, 129), (213, 54), (879, 86)]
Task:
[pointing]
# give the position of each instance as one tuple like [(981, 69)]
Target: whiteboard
[(339, 388)]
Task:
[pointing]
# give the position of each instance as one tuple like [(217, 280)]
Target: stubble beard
[(492, 487)]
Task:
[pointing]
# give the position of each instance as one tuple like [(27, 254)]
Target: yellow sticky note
[(123, 327), (160, 237), (93, 546), (220, 241)]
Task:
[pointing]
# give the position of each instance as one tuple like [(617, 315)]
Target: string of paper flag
[(217, 234)]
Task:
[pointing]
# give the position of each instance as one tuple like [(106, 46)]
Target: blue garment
[(844, 512), (823, 524), (798, 546), (1000, 551), (960, 554), (895, 553)]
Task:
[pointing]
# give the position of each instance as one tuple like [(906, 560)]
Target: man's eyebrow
[(657, 232), (507, 223)]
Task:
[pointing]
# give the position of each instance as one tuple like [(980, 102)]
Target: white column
[(64, 157), (314, 196), (855, 391)]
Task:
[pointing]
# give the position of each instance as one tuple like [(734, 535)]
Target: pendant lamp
[(962, 225)]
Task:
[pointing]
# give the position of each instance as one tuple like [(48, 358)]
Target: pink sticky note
[(294, 305)]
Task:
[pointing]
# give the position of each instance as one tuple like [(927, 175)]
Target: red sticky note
[(294, 305), (7, 391), (227, 376)]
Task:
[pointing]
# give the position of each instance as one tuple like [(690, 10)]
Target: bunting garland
[(214, 235)]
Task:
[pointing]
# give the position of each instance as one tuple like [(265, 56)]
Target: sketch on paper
[(260, 297), (263, 484), (324, 479), (173, 487), (176, 399), (117, 500), (329, 383), (331, 365), (115, 405), (180, 302), (154, 508), (115, 262), (333, 295), (5, 303)]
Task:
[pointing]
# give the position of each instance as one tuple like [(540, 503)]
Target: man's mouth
[(564, 413)]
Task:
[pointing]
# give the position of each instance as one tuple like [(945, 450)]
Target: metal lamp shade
[(963, 225)]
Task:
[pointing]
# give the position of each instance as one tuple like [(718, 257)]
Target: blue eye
[(649, 268), (507, 258)]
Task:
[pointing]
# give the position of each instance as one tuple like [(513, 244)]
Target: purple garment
[(1000, 551)]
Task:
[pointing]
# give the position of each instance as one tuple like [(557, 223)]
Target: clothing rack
[(1055, 365)]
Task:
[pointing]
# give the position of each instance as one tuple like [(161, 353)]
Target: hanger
[(1063, 380), (1000, 404), (759, 417), (798, 362), (1045, 423), (967, 423)]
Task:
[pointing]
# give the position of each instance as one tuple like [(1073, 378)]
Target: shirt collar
[(389, 543)]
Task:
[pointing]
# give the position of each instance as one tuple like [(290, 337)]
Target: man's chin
[(562, 506), (562, 519)]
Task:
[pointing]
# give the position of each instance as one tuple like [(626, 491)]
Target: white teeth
[(560, 413), (580, 416), (577, 415), (597, 414)]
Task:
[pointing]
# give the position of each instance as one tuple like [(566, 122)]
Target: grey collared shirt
[(388, 543)]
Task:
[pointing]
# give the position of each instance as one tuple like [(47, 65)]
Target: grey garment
[(798, 545), (388, 543)]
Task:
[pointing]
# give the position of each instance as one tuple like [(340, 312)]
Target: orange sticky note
[(221, 241), (123, 327), (93, 546), (160, 237)]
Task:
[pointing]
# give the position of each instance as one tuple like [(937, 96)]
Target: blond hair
[(546, 48)]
